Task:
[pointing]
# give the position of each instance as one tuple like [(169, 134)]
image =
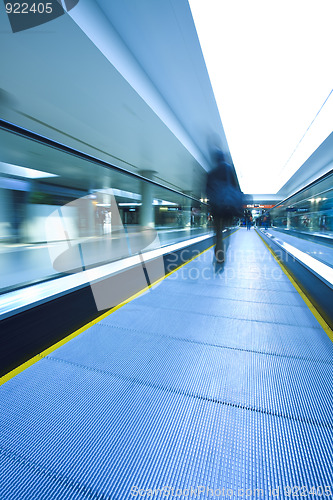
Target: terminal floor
[(218, 377)]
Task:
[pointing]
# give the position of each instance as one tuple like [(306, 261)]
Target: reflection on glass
[(61, 214), (309, 211)]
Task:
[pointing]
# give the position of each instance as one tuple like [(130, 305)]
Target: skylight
[(271, 72)]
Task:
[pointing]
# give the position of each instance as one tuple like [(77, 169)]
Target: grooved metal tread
[(219, 378)]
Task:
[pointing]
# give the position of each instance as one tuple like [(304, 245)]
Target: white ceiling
[(134, 91), (269, 64)]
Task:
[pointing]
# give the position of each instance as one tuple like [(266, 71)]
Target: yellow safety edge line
[(46, 352), (306, 299)]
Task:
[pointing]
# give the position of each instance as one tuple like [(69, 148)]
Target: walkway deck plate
[(218, 378)]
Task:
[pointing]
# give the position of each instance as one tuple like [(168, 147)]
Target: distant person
[(225, 199), (248, 219), (266, 220)]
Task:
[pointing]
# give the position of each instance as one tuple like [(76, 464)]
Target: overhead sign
[(259, 206)]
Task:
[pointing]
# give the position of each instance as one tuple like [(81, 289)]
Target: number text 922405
[(24, 8)]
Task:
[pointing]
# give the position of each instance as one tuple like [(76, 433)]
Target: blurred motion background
[(38, 182)]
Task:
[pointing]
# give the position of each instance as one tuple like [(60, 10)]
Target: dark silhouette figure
[(248, 219), (225, 199), (266, 220)]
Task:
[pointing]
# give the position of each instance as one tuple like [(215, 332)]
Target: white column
[(6, 214), (187, 206), (147, 193)]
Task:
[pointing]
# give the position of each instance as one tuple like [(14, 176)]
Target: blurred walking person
[(225, 199), (266, 220), (248, 219)]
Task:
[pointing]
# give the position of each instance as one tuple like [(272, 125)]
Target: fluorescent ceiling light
[(119, 192), (163, 202), (27, 173), (155, 202), (129, 204)]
